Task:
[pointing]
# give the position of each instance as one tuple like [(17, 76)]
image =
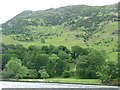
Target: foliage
[(107, 72), (14, 69), (52, 61), (51, 65), (118, 67), (62, 55), (60, 67), (77, 50), (43, 74), (42, 40), (32, 74), (66, 74), (88, 64)]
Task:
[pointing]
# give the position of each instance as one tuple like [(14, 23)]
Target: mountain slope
[(73, 16), (87, 26)]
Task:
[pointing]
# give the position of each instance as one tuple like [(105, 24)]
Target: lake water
[(4, 84)]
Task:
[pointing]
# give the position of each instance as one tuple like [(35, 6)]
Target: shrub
[(42, 40), (66, 74), (43, 74)]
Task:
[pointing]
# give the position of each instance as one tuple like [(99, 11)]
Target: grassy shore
[(61, 80), (73, 80)]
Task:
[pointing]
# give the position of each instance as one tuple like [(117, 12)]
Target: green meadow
[(63, 36)]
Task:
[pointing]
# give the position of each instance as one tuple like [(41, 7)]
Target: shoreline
[(62, 81), (8, 84), (46, 81)]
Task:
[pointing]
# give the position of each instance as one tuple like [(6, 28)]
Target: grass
[(73, 80), (68, 39), (62, 80)]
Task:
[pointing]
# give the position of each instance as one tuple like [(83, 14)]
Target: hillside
[(86, 26), (76, 42), (82, 16)]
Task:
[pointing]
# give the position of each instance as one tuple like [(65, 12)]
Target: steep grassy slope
[(87, 26), (104, 40), (87, 18)]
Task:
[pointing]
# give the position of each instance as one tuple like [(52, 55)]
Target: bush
[(32, 74), (66, 74), (43, 74), (42, 40)]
